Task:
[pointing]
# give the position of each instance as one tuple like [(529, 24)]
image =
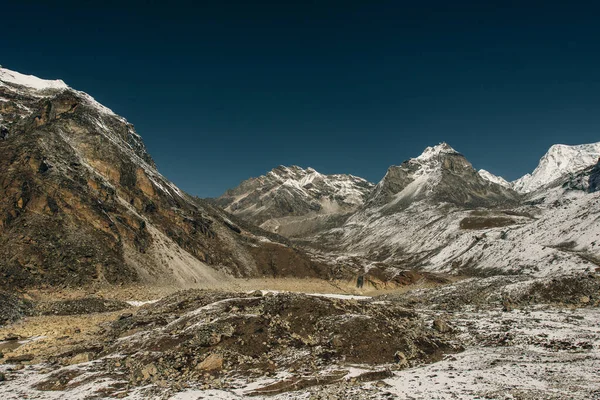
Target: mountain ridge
[(435, 212), (82, 203), (439, 171), (294, 192)]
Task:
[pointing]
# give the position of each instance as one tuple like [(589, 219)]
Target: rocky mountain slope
[(294, 201), (81, 202)]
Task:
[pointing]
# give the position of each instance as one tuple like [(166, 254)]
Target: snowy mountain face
[(297, 202), (292, 192), (494, 178), (440, 175), (397, 225), (437, 213), (552, 233), (560, 160), (81, 202)]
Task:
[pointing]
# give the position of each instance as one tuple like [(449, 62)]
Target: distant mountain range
[(436, 212), (82, 203), (297, 195)]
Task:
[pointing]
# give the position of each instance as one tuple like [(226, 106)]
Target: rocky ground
[(497, 338)]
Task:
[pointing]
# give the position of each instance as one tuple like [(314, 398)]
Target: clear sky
[(222, 91)]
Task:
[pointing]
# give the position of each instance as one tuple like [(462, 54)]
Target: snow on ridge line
[(136, 303), (40, 85), (30, 81), (299, 173), (494, 178)]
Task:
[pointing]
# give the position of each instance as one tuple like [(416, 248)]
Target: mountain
[(440, 174), (399, 225), (560, 160), (436, 213), (82, 202), (293, 201), (494, 178)]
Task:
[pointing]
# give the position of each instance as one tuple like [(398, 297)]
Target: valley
[(439, 281)]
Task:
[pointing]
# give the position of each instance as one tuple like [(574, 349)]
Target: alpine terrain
[(81, 202), (437, 213), (441, 281), (294, 201)]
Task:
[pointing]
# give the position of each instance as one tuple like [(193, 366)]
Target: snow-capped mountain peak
[(558, 161), (30, 81), (45, 88), (494, 178), (295, 191), (433, 152), (440, 174)]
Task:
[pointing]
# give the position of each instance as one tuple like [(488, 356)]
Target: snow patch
[(136, 303)]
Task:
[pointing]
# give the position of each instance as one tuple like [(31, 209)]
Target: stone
[(441, 326), (507, 305), (21, 358), (81, 358), (125, 316), (214, 362), (401, 359), (149, 371), (337, 341)]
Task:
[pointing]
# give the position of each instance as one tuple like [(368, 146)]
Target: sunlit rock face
[(81, 202)]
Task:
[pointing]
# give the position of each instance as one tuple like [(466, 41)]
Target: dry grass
[(53, 335), (59, 333), (301, 285)]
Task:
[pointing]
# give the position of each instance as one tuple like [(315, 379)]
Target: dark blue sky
[(221, 91)]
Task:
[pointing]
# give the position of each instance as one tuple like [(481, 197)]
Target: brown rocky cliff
[(81, 202)]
